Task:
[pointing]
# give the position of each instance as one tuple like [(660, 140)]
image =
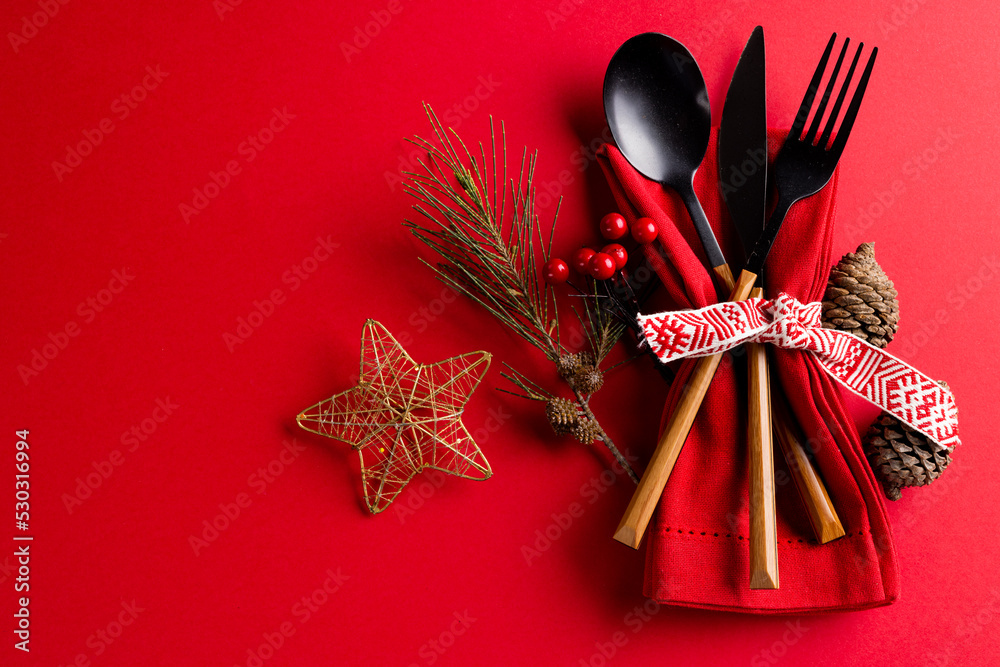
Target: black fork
[(803, 165)]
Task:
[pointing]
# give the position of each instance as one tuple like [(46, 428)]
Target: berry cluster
[(602, 264)]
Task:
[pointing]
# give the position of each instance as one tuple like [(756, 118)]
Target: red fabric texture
[(698, 545)]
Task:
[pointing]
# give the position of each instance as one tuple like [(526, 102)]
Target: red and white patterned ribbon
[(868, 371)]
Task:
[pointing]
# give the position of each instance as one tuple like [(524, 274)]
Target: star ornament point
[(403, 417)]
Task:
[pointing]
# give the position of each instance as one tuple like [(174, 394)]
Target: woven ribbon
[(868, 371)]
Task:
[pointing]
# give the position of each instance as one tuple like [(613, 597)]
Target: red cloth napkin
[(698, 546)]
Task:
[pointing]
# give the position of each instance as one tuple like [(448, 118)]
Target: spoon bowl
[(657, 107)]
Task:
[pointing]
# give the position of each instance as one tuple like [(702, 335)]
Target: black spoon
[(657, 107)]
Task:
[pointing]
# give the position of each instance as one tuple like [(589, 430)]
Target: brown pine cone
[(588, 380), (902, 456), (562, 414), (569, 364), (586, 430), (860, 298)]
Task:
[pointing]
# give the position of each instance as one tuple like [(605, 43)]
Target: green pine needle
[(484, 228), (482, 224)]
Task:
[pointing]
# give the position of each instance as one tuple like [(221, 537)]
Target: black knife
[(743, 183), (743, 144)]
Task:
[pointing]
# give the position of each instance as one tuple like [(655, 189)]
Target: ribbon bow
[(868, 371)]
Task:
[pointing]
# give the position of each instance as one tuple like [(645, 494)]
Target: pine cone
[(901, 456), (588, 379), (569, 364), (562, 415), (860, 298), (586, 430)]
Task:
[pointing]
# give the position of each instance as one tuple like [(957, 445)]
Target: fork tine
[(828, 130), (803, 112), (852, 111), (814, 126)]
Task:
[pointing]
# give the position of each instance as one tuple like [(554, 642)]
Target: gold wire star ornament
[(403, 416)]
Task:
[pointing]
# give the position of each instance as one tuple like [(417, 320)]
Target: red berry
[(617, 253), (581, 260), (613, 226), (555, 271), (602, 266), (644, 230)]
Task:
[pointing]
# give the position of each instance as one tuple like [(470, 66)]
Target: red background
[(329, 174)]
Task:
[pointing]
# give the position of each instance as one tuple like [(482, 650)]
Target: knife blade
[(743, 144), (743, 183)]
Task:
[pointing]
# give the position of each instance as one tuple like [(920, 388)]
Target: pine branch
[(532, 391), (599, 322), (585, 405), (461, 224), (482, 225)]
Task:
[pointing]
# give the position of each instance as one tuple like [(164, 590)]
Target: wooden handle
[(725, 276), (822, 515), (763, 521), (640, 509)]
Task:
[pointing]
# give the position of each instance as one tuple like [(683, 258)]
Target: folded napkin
[(698, 542)]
